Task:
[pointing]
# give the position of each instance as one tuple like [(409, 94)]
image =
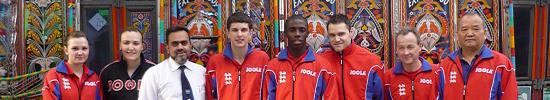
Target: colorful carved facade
[(44, 23), (432, 19), (317, 13), (143, 21), (262, 15), (8, 33), (371, 22), (203, 19)]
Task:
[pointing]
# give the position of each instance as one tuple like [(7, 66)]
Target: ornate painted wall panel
[(433, 21), (8, 17), (371, 21), (143, 21), (317, 13), (203, 19), (488, 9), (262, 15), (43, 29)]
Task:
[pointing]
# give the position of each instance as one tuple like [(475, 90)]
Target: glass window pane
[(523, 29)]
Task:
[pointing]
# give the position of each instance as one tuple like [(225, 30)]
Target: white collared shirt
[(162, 82)]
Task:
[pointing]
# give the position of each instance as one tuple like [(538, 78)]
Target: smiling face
[(471, 32), (339, 36), (131, 45), (77, 49), (408, 48)]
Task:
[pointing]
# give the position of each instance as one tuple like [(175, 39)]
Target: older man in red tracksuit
[(474, 71), (413, 78)]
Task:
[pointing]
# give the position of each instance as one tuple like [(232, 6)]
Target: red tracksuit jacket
[(300, 78), (492, 77), (427, 84), (60, 83), (358, 72), (228, 80)]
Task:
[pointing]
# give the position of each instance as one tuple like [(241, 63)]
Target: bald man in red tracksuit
[(425, 84)]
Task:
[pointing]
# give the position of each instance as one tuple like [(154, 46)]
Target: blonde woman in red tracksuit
[(412, 78)]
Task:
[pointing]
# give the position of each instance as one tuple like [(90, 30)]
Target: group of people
[(346, 71)]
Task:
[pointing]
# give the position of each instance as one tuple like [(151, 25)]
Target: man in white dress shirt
[(166, 81)]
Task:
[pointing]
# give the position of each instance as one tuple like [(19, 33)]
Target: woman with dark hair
[(71, 79)]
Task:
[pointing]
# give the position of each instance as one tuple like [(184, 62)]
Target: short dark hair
[(239, 17), (294, 17), (176, 29), (470, 13), (339, 18), (406, 31), (75, 34)]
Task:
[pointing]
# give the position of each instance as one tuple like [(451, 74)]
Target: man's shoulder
[(158, 67), (259, 53), (197, 66), (500, 56), (149, 63)]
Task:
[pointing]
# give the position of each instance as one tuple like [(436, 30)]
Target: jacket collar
[(62, 67), (175, 66), (423, 68), (484, 53), (348, 50), (227, 52), (310, 56)]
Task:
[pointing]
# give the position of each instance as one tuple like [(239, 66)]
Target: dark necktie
[(187, 94)]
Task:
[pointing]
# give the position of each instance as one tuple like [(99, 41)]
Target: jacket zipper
[(412, 89), (239, 81), (293, 81), (464, 92), (342, 73), (294, 76)]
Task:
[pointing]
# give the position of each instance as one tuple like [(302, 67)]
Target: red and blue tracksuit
[(489, 76), (228, 80), (300, 78), (60, 83), (358, 72), (426, 84)]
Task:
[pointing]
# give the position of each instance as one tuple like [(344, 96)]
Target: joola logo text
[(425, 81), (307, 72), (254, 69), (358, 72), (484, 70)]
